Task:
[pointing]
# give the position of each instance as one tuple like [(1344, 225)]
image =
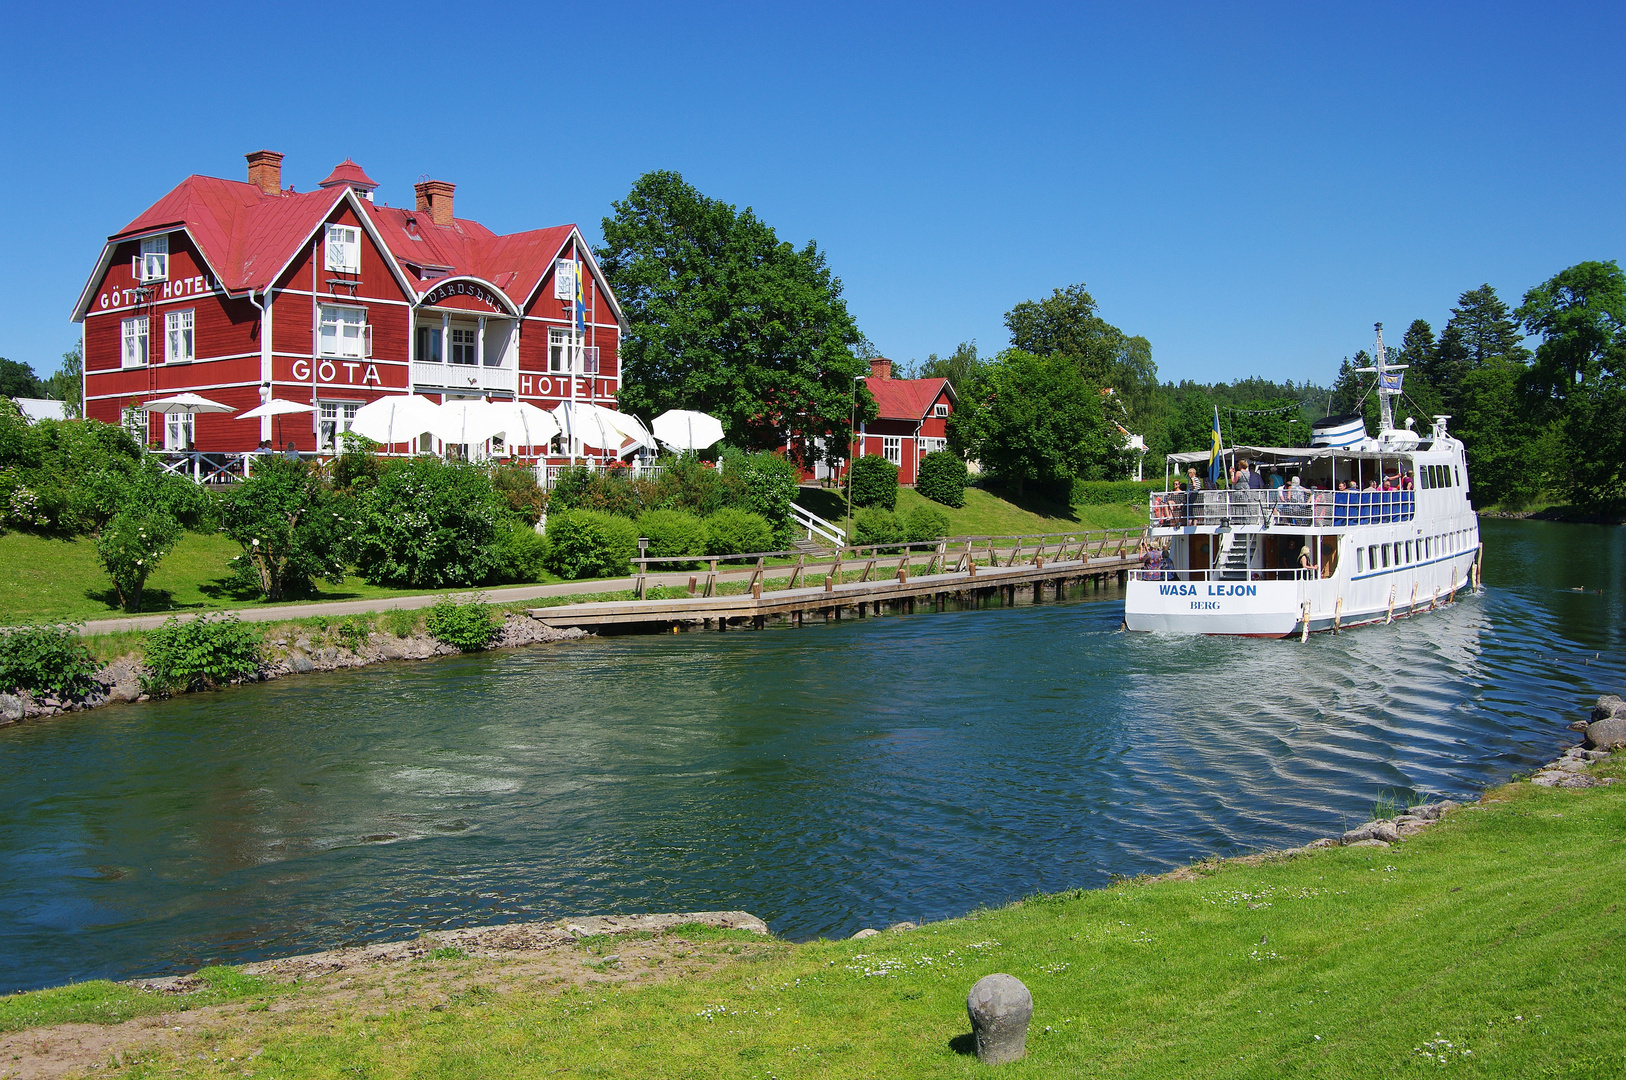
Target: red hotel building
[(243, 291), (911, 421)]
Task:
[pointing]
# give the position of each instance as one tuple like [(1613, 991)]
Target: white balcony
[(432, 377)]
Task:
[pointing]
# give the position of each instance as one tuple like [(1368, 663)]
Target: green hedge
[(874, 482), (1109, 492), (942, 478), (737, 532), (672, 534), (590, 543), (922, 523)]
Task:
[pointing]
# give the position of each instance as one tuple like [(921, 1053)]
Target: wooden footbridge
[(858, 580)]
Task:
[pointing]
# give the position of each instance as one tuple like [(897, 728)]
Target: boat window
[(1459, 477), (1372, 557), (1386, 556), (1359, 559)]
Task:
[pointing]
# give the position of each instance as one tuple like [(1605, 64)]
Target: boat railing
[(1230, 577), (1279, 508)]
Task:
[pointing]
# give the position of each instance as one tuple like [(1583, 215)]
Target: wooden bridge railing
[(1079, 546)]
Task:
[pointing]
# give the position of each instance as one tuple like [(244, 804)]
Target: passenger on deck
[(1191, 476), (1305, 560), (1165, 564)]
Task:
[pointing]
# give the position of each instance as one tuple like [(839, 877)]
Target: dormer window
[(344, 248), (940, 409), (153, 262)]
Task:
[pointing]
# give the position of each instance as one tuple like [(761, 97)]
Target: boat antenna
[(1389, 380)]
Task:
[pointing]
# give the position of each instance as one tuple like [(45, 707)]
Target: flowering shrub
[(428, 524), (293, 529), (130, 547)]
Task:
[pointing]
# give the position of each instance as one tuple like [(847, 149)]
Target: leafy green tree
[(130, 547), (962, 368), (1066, 323), (1039, 423), (1272, 422), (1506, 461), (18, 380), (728, 319), (67, 384), (1481, 328), (293, 529)]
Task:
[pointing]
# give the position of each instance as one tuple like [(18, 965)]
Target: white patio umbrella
[(276, 407), (466, 421), (524, 423), (188, 403), (594, 425), (685, 429), (396, 418)]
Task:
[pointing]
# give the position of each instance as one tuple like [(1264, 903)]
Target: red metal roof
[(348, 172), (248, 237), (906, 399)]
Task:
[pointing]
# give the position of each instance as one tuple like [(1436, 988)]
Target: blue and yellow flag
[(581, 302), (1214, 462)]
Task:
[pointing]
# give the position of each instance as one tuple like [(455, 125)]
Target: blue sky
[(1250, 187)]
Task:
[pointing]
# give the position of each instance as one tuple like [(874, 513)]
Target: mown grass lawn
[(49, 580), (1489, 946), (988, 514)]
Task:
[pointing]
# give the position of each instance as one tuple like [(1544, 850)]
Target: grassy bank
[(1489, 945), (43, 579), (989, 514)]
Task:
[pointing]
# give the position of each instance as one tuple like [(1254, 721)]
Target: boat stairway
[(1236, 556)]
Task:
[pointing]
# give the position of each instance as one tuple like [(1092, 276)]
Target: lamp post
[(851, 442)]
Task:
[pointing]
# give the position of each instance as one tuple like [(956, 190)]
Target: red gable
[(906, 399)]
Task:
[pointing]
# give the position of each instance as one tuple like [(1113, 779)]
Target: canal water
[(826, 779)]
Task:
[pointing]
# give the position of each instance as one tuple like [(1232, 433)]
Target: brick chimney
[(265, 171), (435, 197), (880, 368)]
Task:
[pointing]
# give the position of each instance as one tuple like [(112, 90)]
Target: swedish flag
[(1214, 462), (581, 301)]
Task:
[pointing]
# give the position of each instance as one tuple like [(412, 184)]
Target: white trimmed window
[(336, 418), (178, 431), (135, 422), (345, 332), (940, 409), (558, 350), (463, 348), (929, 445), (178, 340), (428, 344), (153, 262), (892, 448), (135, 342), (344, 248)]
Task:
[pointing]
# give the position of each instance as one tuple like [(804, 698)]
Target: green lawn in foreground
[(988, 514), (1489, 946), (43, 579)]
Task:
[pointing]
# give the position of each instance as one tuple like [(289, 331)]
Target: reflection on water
[(826, 779)]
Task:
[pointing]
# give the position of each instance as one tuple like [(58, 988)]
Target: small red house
[(244, 291), (911, 420)]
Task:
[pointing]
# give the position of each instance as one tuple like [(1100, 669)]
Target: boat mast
[(1389, 380)]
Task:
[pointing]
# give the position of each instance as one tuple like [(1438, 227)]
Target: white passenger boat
[(1374, 528)]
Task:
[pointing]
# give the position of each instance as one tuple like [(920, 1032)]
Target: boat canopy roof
[(1289, 455)]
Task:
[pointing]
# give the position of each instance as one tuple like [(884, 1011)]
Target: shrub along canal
[(827, 778)]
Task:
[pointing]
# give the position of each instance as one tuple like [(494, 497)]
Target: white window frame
[(470, 347), (339, 341), (153, 262), (560, 352), (334, 418), (179, 429), (344, 249), (135, 421), (930, 444), (133, 337), (940, 409), (892, 449), (180, 338)]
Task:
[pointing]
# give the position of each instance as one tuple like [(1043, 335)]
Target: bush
[(874, 482), (942, 478), (590, 543), (292, 528), (67, 477), (687, 483), (731, 531), (522, 555), (199, 654), (428, 524), (922, 523), (519, 496), (771, 484), (466, 627), (131, 546), (876, 526), (45, 660), (358, 468), (672, 534), (1108, 492), (609, 490)]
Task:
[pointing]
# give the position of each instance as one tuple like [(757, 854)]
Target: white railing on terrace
[(1230, 577), (462, 376), (1275, 507), (547, 475), (817, 526)]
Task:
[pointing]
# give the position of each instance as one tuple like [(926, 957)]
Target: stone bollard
[(1000, 1008)]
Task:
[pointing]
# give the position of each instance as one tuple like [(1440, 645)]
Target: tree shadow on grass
[(1034, 503), (153, 601)]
